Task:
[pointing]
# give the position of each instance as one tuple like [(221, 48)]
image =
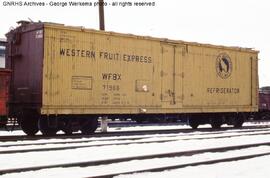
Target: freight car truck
[(65, 77)]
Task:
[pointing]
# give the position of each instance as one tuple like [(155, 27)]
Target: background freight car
[(65, 77), (264, 104), (4, 93), (4, 76)]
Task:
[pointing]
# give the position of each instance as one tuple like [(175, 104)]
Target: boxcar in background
[(4, 94), (65, 77), (264, 104)]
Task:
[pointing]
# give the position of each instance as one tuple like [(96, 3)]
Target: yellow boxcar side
[(94, 72)]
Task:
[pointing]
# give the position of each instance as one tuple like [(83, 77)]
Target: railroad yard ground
[(105, 151)]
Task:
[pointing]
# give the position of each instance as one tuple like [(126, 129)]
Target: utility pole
[(104, 119), (101, 15)]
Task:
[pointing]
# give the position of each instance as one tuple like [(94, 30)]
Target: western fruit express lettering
[(91, 54)]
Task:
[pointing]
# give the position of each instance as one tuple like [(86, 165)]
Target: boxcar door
[(171, 74)]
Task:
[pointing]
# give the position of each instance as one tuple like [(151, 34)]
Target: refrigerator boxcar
[(65, 77)]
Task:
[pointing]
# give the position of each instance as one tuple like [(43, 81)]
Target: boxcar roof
[(81, 28)]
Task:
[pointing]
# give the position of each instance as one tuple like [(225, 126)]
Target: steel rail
[(133, 138), (120, 133), (121, 143), (138, 157), (199, 163), (136, 138)]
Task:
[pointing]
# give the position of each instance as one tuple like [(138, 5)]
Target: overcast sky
[(242, 23)]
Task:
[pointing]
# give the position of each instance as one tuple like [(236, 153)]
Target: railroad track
[(87, 140), (178, 166), (125, 141), (151, 156), (121, 133), (79, 140), (111, 124)]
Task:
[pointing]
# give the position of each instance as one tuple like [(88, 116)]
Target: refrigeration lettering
[(223, 90)]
